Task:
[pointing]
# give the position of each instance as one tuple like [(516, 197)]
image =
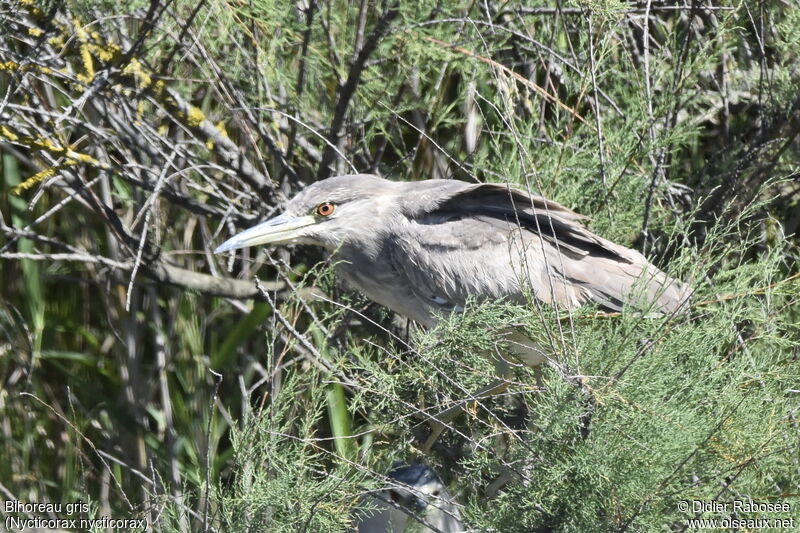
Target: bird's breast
[(379, 281)]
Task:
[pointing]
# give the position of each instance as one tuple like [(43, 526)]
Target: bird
[(424, 248), (415, 499)]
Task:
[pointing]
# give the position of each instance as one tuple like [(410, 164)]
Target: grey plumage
[(423, 248), (414, 499)]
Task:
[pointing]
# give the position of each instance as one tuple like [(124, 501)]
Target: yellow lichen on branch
[(36, 178), (11, 66), (135, 69), (73, 158), (222, 131), (89, 52), (79, 157), (195, 117), (46, 145), (85, 51), (8, 134)]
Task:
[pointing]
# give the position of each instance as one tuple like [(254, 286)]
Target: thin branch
[(346, 92), (164, 273)]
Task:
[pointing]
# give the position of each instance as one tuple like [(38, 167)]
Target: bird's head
[(416, 487), (327, 213)]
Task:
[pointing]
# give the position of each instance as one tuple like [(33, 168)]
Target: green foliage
[(281, 478)]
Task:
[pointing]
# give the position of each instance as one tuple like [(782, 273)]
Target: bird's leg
[(500, 481), (442, 420), (521, 349)]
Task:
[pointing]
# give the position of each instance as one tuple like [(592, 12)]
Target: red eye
[(326, 209)]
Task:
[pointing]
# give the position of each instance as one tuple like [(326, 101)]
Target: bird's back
[(491, 242)]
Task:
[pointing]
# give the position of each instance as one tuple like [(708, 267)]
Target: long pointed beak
[(281, 229)]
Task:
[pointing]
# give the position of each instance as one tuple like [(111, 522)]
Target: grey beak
[(281, 229)]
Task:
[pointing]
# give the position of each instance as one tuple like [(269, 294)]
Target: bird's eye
[(326, 209)]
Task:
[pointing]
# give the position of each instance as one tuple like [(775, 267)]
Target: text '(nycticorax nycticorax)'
[(423, 248)]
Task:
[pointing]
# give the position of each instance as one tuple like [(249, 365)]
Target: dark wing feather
[(554, 222), (565, 263)]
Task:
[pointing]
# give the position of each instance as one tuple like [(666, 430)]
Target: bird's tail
[(639, 285)]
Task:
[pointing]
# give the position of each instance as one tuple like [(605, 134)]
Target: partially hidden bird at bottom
[(414, 499)]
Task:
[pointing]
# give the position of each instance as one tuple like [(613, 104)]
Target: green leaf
[(341, 426), (69, 356), (239, 334)]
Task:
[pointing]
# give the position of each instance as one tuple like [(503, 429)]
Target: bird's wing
[(426, 197), (490, 241), (555, 223), (444, 261)]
